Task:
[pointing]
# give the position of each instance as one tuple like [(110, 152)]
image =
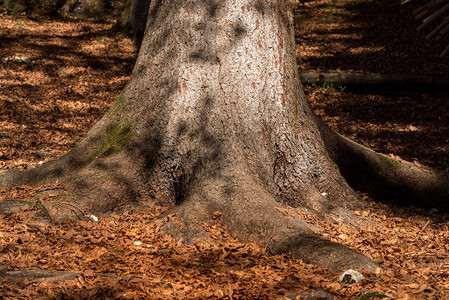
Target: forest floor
[(57, 78)]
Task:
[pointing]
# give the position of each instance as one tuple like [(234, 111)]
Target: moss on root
[(42, 211), (389, 162), (115, 139)]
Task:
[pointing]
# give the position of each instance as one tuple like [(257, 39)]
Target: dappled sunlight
[(76, 70), (210, 176)]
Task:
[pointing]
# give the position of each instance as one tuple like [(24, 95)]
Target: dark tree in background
[(14, 6), (133, 18), (84, 8)]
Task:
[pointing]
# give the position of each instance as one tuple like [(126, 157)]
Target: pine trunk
[(213, 119), (133, 19)]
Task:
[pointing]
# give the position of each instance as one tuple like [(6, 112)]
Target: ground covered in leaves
[(367, 36), (128, 257), (74, 72)]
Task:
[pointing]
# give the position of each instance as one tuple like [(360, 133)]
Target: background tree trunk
[(133, 19), (14, 6), (84, 8), (213, 119)]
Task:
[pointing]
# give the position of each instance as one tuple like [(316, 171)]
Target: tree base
[(234, 196)]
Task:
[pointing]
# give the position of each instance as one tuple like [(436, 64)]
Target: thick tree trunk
[(212, 119)]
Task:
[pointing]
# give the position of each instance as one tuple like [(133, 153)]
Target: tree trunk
[(14, 6), (84, 8), (133, 19), (213, 119)]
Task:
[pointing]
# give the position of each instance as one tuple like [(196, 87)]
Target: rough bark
[(212, 119)]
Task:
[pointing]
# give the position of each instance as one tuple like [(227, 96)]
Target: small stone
[(22, 59), (324, 194), (93, 218), (137, 243), (40, 163), (351, 276), (17, 59)]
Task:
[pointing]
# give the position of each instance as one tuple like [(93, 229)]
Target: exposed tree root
[(54, 170), (253, 214), (385, 178), (244, 203), (247, 205)]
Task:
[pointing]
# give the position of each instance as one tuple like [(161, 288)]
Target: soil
[(78, 68)]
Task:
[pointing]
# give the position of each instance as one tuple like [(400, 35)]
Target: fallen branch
[(34, 275), (53, 277), (378, 82)]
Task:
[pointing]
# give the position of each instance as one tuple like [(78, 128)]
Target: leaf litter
[(127, 256), (410, 246)]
